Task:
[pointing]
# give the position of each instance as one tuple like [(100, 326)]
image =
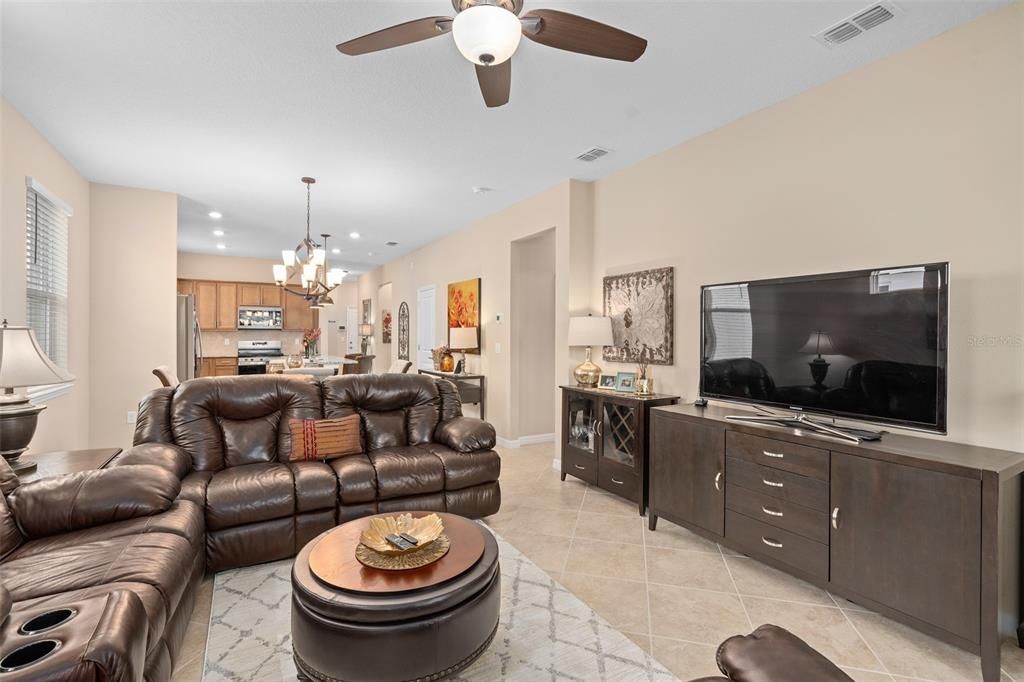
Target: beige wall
[(225, 268), (532, 344), (65, 423), (913, 159), (484, 250), (132, 307)]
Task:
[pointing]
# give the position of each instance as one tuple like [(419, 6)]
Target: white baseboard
[(523, 441)]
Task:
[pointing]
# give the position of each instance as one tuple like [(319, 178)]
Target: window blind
[(728, 332), (46, 268)]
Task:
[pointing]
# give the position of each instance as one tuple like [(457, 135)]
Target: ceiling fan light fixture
[(487, 35)]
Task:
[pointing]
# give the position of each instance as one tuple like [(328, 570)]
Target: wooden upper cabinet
[(249, 294), (206, 304), (186, 286), (297, 313), (270, 294), (227, 306)]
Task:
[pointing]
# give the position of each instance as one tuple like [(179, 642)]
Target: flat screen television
[(867, 344)]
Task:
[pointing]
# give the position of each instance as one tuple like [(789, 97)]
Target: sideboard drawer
[(619, 479), (778, 454), (803, 490), (579, 465), (779, 513), (760, 539)]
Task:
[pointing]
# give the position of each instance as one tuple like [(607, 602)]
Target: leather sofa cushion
[(316, 486), (153, 423), (466, 434), (193, 487), (385, 429), (161, 560), (163, 455), (405, 471), (10, 535), (183, 519), (451, 401), (92, 498), (357, 479), (249, 493), (226, 421), (5, 604), (771, 653), (417, 396), (466, 469)]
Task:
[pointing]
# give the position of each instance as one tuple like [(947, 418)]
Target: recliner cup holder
[(27, 655), (47, 621)]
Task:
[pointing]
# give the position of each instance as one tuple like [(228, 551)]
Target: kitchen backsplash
[(225, 344)]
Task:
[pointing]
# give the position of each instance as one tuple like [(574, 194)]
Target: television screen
[(868, 345)]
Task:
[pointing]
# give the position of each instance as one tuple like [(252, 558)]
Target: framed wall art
[(464, 308), (640, 305), (403, 331), (385, 326)]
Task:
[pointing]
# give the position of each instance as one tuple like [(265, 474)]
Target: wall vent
[(390, 243), (853, 26), (593, 154)]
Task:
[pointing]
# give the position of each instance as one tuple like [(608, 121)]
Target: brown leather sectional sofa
[(208, 486)]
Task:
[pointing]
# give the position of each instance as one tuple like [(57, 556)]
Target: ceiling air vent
[(853, 26), (390, 243), (593, 154)]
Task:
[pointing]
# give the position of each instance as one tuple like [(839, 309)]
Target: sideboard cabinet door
[(688, 472), (908, 538)]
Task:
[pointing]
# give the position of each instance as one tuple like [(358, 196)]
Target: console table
[(472, 387), (924, 531), (604, 439)]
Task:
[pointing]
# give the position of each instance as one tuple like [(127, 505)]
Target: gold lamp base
[(587, 374)]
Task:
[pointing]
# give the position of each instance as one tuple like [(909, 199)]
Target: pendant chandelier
[(307, 263)]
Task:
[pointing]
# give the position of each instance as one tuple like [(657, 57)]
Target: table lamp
[(366, 331), (819, 342), (22, 363), (589, 331), (463, 338)]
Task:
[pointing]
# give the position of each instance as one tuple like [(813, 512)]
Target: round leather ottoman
[(421, 624)]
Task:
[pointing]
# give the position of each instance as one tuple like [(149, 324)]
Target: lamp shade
[(590, 331), (487, 34), (23, 362), (463, 338), (366, 330), (819, 342)]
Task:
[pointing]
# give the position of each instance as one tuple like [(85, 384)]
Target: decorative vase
[(645, 386), (294, 361), (447, 362)]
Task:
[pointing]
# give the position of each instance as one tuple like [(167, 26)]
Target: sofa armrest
[(465, 434), (169, 457), (5, 604), (61, 504), (773, 653)]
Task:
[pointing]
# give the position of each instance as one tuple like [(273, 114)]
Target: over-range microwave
[(260, 317)]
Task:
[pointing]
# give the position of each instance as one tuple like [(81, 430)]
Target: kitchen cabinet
[(270, 294), (186, 287), (250, 294), (297, 313), (206, 305), (218, 367), (227, 306)]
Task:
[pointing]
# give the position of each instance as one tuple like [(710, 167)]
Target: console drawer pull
[(835, 518), (616, 481), (771, 512), (771, 543), (774, 484), (581, 468), (776, 455), (718, 481)]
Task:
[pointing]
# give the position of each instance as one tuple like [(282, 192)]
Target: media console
[(924, 531)]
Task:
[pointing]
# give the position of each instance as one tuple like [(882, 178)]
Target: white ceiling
[(228, 104)]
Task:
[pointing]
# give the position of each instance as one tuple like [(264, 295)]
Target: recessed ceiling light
[(369, 253), (216, 215), (221, 247), (218, 233), (335, 250), (353, 235)]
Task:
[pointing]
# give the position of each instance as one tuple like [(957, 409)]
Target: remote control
[(408, 538), (398, 541)]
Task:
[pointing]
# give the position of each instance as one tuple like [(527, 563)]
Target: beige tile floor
[(675, 594)]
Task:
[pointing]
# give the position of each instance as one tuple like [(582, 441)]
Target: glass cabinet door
[(581, 431), (618, 433)]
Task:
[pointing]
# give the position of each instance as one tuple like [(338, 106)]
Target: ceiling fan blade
[(402, 34), (578, 34), (495, 83)]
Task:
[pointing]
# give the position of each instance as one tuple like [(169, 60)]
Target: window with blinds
[(727, 329), (46, 267)]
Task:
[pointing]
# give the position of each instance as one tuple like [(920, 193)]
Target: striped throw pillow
[(320, 439)]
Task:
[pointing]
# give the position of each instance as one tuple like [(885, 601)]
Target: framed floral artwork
[(385, 326), (464, 308)]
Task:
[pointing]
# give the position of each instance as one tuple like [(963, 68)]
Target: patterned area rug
[(545, 632)]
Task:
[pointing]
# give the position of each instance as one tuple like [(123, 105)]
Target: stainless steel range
[(254, 356)]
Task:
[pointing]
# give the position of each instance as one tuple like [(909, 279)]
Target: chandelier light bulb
[(334, 277), (487, 35), (319, 256), (309, 272), (280, 273), (288, 256)]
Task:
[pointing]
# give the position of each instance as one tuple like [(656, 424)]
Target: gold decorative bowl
[(425, 529)]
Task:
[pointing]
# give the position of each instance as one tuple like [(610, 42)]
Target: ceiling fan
[(487, 33)]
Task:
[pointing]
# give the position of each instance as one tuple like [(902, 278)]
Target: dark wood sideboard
[(924, 531), (604, 439)]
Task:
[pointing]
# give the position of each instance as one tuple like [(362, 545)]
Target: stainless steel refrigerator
[(190, 339)]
